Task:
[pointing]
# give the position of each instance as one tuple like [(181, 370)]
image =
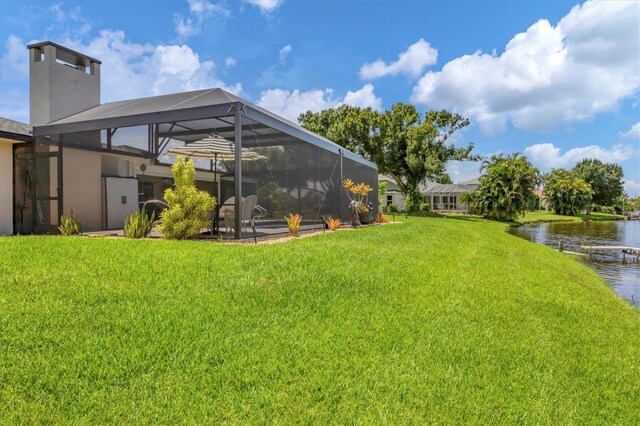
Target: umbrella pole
[(215, 185)]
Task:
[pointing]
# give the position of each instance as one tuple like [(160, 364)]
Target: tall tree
[(506, 188), (605, 180), (403, 144), (567, 193)]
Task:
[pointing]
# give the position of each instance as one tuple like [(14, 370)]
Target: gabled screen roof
[(195, 105)]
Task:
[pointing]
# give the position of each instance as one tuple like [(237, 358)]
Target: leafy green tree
[(605, 180), (406, 146), (188, 207), (567, 193), (506, 189)]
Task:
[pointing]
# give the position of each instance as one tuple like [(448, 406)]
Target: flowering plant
[(357, 194)]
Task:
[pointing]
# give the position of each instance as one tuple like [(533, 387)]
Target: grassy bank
[(540, 216), (434, 320)]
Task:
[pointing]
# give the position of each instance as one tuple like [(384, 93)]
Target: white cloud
[(266, 6), (131, 70), (411, 62), (230, 62), (632, 187), (546, 156), (15, 64), (14, 104), (60, 15), (200, 10), (290, 104), (363, 98), (284, 52), (584, 65), (68, 21), (633, 132), (460, 171)]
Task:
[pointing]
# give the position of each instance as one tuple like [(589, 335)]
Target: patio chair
[(248, 205), (259, 212), (246, 210), (225, 209)]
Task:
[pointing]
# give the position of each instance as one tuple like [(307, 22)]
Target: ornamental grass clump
[(139, 224), (188, 208), (70, 225), (333, 223), (293, 221), (381, 218)]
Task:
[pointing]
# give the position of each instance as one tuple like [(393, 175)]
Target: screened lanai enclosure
[(94, 162)]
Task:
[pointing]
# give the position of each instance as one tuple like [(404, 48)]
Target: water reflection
[(625, 278)]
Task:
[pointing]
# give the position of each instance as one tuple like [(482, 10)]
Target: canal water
[(623, 277)]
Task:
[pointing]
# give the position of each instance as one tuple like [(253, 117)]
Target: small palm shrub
[(333, 223), (293, 221), (567, 193), (608, 209), (381, 218), (188, 207), (69, 225), (138, 224), (506, 189)]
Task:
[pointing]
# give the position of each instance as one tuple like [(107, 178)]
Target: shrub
[(506, 190), (567, 193), (425, 207), (363, 209), (69, 225), (608, 209), (471, 200), (188, 207), (293, 221), (333, 223), (392, 208), (138, 224), (381, 218)]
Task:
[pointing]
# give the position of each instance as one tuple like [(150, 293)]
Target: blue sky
[(557, 80)]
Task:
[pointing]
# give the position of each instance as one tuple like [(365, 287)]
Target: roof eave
[(156, 117)]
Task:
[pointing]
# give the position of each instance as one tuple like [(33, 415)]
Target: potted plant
[(358, 194)]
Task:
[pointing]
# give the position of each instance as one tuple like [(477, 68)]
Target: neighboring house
[(12, 133), (444, 196), (543, 203), (102, 161), (393, 195), (440, 197)]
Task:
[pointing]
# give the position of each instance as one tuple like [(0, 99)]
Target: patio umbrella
[(214, 147)]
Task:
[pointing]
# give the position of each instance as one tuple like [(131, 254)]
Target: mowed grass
[(538, 216), (433, 320)]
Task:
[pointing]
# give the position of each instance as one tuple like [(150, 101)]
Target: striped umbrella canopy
[(214, 147)]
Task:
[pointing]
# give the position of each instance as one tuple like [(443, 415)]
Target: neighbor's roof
[(185, 106), (11, 129), (429, 187), (446, 188), (474, 181)]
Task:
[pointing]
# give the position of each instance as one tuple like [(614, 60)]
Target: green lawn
[(433, 320), (546, 216)]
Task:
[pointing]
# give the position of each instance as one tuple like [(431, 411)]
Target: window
[(389, 199)]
